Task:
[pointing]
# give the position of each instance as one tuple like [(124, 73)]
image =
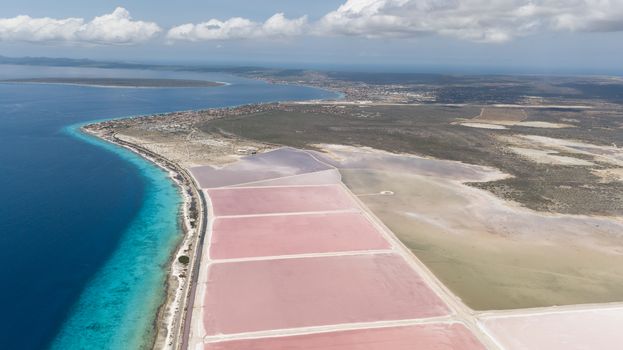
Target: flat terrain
[(430, 337), (298, 258), (253, 236), (525, 241), (436, 131), (493, 254), (283, 162), (302, 292), (522, 258), (283, 199), (502, 115), (589, 328), (506, 201), (278, 279)]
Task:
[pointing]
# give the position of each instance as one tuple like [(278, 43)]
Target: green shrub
[(184, 259)]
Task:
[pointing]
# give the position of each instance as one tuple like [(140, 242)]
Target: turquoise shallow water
[(86, 227), (125, 294)]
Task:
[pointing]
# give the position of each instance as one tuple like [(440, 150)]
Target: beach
[(169, 323)]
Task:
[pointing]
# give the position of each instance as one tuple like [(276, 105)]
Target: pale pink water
[(575, 330), (274, 164), (289, 293), (256, 236), (266, 200), (420, 337)]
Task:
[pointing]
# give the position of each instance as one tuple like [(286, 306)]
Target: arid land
[(511, 205)]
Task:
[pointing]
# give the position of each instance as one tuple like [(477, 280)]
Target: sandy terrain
[(612, 155), (538, 124), (568, 329), (522, 259), (501, 114), (502, 117), (188, 147), (493, 254), (503, 125), (484, 126), (549, 157), (610, 175)]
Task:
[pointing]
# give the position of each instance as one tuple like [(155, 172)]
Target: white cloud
[(233, 28), (475, 20), (239, 28), (117, 27), (593, 16), (279, 25)]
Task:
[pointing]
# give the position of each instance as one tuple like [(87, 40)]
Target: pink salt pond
[(282, 162), (241, 237), (563, 330), (325, 177), (453, 336), (290, 199), (289, 293)]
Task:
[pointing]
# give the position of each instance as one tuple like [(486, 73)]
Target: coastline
[(173, 340), (143, 300), (171, 316), (168, 311), (171, 327), (118, 86), (209, 84)]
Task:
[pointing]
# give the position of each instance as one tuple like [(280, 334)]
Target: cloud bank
[(116, 28), (239, 28), (489, 21), (474, 20)]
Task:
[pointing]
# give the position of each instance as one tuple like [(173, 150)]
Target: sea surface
[(86, 227)]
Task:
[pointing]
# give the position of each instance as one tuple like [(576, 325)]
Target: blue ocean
[(86, 227)]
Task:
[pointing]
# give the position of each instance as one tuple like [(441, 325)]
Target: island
[(120, 82), (439, 209)]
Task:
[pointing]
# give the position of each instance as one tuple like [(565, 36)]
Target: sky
[(539, 36)]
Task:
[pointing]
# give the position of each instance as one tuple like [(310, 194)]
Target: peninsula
[(120, 82)]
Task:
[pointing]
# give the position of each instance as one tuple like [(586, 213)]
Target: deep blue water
[(86, 227)]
